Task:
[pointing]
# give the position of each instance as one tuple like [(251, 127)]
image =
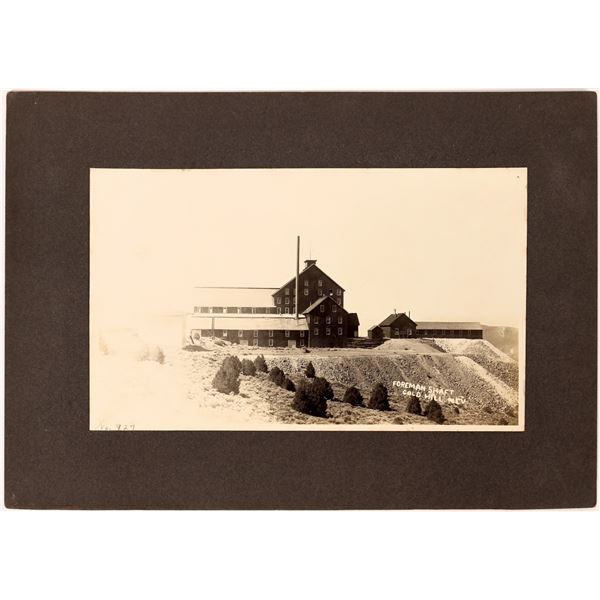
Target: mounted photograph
[(308, 299)]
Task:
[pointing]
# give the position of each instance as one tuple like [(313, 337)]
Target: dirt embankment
[(482, 379)]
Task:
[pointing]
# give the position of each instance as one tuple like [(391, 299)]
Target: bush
[(288, 385), (227, 378), (310, 370), (379, 398), (233, 364), (323, 387), (160, 356), (261, 364), (353, 396), (277, 376), (434, 412), (309, 400), (248, 367), (414, 406), (226, 381)]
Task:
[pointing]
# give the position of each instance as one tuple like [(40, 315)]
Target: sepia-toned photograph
[(307, 299)]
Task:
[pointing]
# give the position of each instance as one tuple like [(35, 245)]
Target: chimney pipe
[(297, 273)]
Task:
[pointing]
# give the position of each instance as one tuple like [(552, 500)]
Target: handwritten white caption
[(428, 392)]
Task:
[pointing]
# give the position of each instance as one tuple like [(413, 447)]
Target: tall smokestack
[(297, 274)]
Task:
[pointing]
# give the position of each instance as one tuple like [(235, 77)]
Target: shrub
[(323, 387), (160, 355), (226, 381), (248, 367), (414, 406), (434, 412), (227, 378), (233, 364), (309, 400), (310, 370), (353, 396), (379, 398), (261, 364), (288, 385), (277, 376)]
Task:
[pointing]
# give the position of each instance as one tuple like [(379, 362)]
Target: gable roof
[(459, 325), (389, 321), (233, 296), (374, 327), (304, 271), (320, 301)]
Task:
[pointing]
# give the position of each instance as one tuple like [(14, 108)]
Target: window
[(287, 291), (340, 331), (287, 300), (396, 331), (316, 320), (287, 310), (409, 332), (302, 334), (301, 343), (306, 283), (334, 308), (316, 331), (271, 333), (196, 308), (253, 310), (287, 333), (340, 320), (255, 343), (240, 333), (328, 320), (322, 308), (270, 342), (306, 291), (278, 299), (320, 292), (328, 331), (224, 332), (320, 282), (255, 333), (339, 291), (204, 309), (279, 310)]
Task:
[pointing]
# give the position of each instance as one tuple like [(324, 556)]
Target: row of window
[(260, 310), (255, 343), (224, 333), (328, 320), (255, 333), (340, 331)]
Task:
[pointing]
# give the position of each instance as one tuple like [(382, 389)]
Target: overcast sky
[(444, 244)]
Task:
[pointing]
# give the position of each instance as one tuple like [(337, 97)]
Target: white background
[(299, 46)]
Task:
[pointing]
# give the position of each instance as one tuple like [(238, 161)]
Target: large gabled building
[(313, 284), (267, 316)]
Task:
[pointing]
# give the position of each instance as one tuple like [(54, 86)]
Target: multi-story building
[(267, 316)]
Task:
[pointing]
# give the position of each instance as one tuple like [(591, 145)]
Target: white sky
[(446, 244)]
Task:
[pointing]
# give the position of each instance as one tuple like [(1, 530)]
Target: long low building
[(451, 329), (276, 331), (400, 325)]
